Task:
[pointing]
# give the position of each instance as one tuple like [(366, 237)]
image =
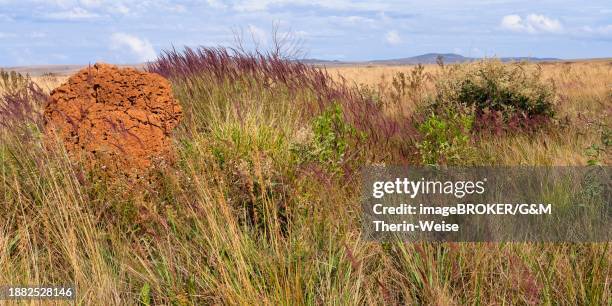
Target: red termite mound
[(115, 119)]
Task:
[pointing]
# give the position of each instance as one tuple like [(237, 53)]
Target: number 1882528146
[(36, 292)]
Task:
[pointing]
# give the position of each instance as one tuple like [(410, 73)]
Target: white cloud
[(76, 13), (513, 23), (544, 24), (532, 24), (393, 38), (141, 48)]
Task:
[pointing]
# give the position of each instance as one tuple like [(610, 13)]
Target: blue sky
[(83, 31)]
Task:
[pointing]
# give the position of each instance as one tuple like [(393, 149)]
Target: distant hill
[(451, 58), (314, 61), (429, 58)]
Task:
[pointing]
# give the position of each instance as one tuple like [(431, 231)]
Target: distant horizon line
[(427, 58)]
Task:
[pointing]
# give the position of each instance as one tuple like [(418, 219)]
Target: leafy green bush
[(513, 95), (330, 139), (446, 139), (599, 152), (330, 130)]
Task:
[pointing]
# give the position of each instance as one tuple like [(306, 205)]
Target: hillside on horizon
[(427, 58)]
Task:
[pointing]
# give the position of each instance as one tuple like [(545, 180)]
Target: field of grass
[(263, 205)]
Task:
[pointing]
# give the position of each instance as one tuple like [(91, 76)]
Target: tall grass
[(263, 205), (271, 88)]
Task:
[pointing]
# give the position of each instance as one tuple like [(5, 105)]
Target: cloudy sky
[(83, 31)]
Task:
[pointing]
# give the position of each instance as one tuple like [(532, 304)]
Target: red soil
[(115, 119)]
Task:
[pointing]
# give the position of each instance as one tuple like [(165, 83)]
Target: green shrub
[(330, 131), (330, 140), (513, 95), (599, 152), (446, 139)]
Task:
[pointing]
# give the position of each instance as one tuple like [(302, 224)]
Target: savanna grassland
[(263, 207)]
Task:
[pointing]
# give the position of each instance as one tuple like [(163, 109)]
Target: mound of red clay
[(118, 119)]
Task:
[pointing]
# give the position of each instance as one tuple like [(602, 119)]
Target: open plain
[(263, 202)]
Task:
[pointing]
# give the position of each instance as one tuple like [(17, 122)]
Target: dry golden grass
[(373, 74), (584, 95), (183, 244), (49, 82)]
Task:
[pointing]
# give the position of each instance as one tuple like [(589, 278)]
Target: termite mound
[(115, 119)]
